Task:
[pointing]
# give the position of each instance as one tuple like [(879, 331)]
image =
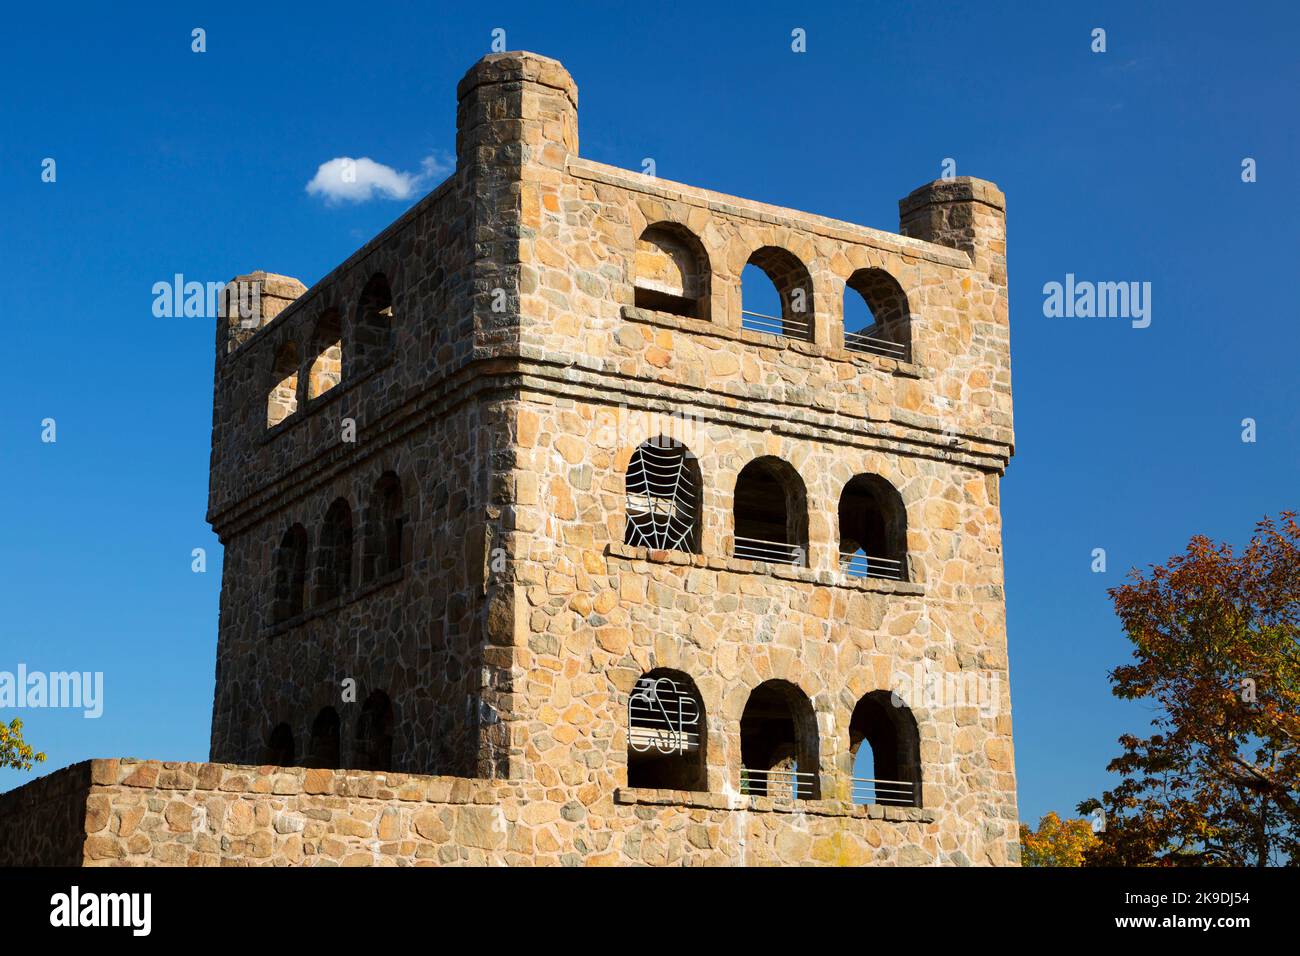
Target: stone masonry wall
[(428, 410), (594, 615), (601, 614), (43, 823), (148, 813), (582, 314), (414, 634)]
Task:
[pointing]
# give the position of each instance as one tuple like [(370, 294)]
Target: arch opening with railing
[(770, 507), (877, 318), (777, 295), (667, 739), (887, 771), (873, 529), (778, 743)]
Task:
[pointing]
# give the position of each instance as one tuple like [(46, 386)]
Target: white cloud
[(345, 179), (437, 166)]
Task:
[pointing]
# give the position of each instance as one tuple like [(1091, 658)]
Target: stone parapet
[(126, 812)]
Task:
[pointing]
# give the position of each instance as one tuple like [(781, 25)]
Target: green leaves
[(14, 752)]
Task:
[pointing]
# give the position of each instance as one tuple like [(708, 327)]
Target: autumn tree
[(1216, 648), (1057, 842), (14, 752)]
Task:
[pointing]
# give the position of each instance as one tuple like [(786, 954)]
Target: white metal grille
[(776, 325), (772, 552), (866, 341), (861, 565), (790, 784), (661, 498), (897, 793), (662, 716)]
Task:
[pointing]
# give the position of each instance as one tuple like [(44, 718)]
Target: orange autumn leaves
[(1215, 779), (1057, 842), (1216, 659)]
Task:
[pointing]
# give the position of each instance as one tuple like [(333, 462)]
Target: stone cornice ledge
[(982, 450), (788, 572), (687, 799)]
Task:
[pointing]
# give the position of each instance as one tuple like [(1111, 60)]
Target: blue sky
[(1118, 166)]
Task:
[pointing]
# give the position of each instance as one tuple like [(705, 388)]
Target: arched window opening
[(876, 315), (888, 770), (771, 513), (778, 743), (385, 526), (334, 560), (666, 738), (672, 272), (279, 747), (873, 529), (324, 753), (374, 322), (776, 295), (282, 399), (664, 493), (375, 733), (290, 598), (327, 355)]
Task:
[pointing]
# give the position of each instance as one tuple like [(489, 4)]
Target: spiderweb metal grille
[(662, 498)]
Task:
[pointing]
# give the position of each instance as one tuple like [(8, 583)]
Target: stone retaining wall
[(152, 813)]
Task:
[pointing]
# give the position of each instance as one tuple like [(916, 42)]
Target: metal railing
[(894, 793), (775, 325), (664, 740), (772, 552), (790, 784), (861, 565), (864, 341), (663, 716)]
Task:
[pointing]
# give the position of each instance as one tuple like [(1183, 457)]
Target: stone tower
[(524, 496)]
